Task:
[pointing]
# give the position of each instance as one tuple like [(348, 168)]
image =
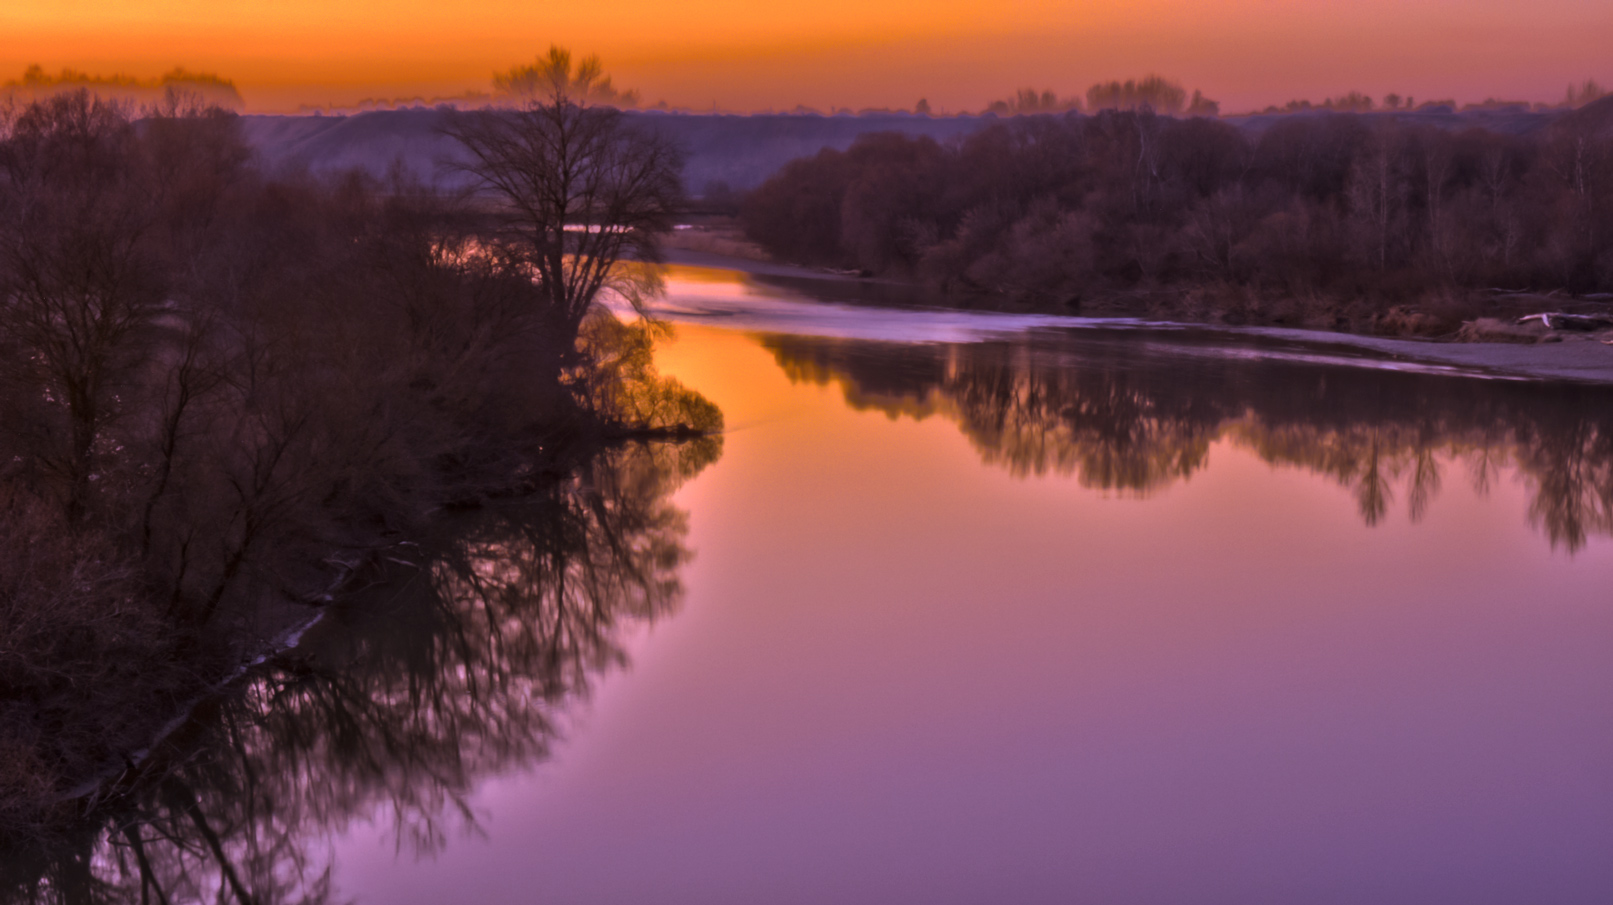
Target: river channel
[(995, 609), (1021, 615)]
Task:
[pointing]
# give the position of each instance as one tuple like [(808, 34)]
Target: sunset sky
[(743, 55)]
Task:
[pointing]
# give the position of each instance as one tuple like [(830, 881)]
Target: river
[(979, 608), (1034, 618)]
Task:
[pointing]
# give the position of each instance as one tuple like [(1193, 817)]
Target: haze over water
[(1046, 618)]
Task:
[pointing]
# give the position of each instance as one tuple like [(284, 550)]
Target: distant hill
[(1595, 117), (1514, 119), (741, 151)]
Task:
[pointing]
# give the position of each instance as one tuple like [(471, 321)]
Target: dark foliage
[(577, 189), (223, 392), (1359, 212)]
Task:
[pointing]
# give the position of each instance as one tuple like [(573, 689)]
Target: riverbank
[(1580, 358), (1559, 355)]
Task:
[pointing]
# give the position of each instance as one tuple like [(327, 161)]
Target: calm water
[(1052, 618), (1016, 614)]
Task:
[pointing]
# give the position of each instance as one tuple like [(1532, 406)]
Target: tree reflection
[(1573, 466), (1113, 430), (453, 665), (1114, 434), (1120, 417)]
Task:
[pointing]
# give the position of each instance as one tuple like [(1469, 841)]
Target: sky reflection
[(904, 674)]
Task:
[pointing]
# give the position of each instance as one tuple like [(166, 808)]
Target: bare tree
[(584, 83), (78, 283), (580, 189)]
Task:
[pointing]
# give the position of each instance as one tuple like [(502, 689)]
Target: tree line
[(36, 84), (1154, 92), (1327, 219)]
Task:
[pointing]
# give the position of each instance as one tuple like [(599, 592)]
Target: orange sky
[(745, 55)]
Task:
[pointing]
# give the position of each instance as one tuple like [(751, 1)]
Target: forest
[(232, 395), (1365, 222)]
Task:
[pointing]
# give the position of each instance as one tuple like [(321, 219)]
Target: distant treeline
[(1356, 102), (1154, 92), (1057, 211), (37, 84)]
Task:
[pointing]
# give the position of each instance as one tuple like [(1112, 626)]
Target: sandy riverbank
[(1581, 358), (1577, 357)]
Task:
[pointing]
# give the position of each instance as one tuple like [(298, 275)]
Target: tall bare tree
[(78, 279), (579, 188)]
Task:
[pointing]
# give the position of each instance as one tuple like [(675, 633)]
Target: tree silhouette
[(578, 189), (552, 78)]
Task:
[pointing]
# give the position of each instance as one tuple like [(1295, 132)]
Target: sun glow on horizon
[(740, 56)]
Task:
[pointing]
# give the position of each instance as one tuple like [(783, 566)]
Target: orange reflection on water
[(902, 674)]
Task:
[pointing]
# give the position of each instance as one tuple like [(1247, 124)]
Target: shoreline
[(1578, 358)]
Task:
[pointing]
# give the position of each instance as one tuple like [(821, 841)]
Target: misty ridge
[(736, 152), (725, 153)]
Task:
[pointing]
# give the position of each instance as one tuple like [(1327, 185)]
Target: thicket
[(223, 390), (1329, 219)]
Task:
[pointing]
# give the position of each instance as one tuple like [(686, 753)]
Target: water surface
[(1012, 616), (970, 609)]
